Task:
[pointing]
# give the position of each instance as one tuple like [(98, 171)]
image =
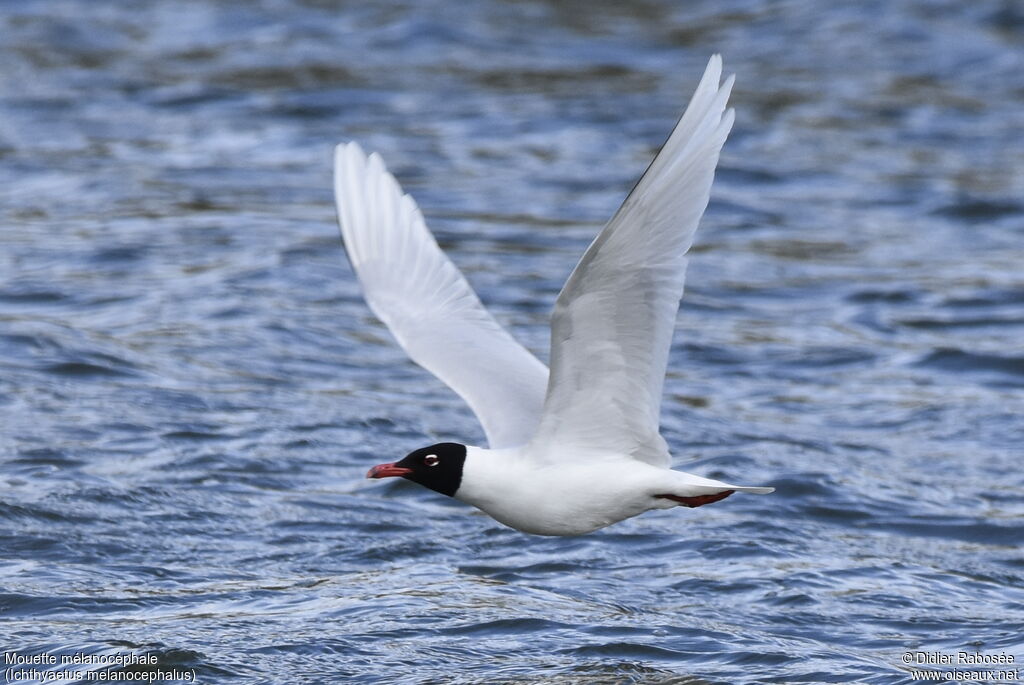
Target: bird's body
[(576, 449), (571, 496)]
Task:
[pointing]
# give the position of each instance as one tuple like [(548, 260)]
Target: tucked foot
[(698, 500)]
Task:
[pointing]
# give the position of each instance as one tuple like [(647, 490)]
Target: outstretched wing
[(427, 304), (613, 321)]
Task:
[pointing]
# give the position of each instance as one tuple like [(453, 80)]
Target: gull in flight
[(577, 447)]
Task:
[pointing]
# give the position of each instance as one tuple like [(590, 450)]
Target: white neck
[(485, 472)]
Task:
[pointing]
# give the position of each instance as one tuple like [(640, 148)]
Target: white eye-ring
[(431, 460)]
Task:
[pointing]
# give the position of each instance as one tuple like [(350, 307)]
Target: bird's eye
[(431, 460)]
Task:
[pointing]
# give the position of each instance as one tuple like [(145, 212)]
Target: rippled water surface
[(191, 387)]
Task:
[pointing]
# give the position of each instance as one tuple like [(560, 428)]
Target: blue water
[(191, 387)]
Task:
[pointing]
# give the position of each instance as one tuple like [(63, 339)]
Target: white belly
[(561, 500)]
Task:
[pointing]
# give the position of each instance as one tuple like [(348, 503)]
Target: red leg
[(699, 500)]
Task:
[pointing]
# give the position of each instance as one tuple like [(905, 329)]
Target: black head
[(438, 467)]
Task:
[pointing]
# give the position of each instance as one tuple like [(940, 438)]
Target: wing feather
[(429, 306), (612, 325)]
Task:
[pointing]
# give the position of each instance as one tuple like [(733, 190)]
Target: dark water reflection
[(191, 387)]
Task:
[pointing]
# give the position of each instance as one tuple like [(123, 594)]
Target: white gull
[(579, 448)]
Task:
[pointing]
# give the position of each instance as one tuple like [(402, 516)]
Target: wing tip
[(351, 145), (728, 119), (345, 152), (350, 157), (713, 71), (729, 82)]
